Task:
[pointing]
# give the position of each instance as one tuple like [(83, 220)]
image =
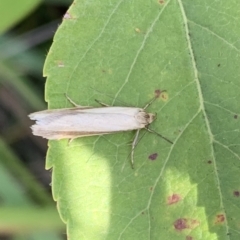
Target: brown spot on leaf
[(157, 93), (220, 218), (209, 162), (153, 156), (162, 94), (185, 223), (189, 238), (161, 1), (219, 65), (235, 116), (181, 224), (174, 198), (236, 193)]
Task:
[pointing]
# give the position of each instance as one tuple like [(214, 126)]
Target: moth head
[(145, 118), (151, 117)]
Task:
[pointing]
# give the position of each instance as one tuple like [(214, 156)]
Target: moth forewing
[(82, 122)]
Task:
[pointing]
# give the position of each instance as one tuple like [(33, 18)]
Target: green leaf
[(12, 11), (120, 52)]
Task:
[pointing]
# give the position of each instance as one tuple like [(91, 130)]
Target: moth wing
[(57, 135), (63, 111), (78, 122)]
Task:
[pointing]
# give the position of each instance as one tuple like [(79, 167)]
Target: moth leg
[(134, 143), (71, 101), (70, 141), (74, 104), (101, 103)]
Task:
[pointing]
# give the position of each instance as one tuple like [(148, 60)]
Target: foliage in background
[(27, 210), (11, 15)]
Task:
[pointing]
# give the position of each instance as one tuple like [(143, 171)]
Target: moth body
[(87, 121)]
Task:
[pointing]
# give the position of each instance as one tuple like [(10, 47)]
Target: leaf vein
[(223, 108), (93, 42), (216, 35), (226, 147), (140, 50), (168, 157)]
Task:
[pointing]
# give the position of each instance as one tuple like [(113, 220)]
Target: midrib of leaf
[(202, 107), (161, 172)]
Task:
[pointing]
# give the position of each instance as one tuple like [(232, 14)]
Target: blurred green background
[(27, 210)]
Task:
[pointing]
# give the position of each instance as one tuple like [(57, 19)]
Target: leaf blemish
[(184, 223), (161, 1), (162, 94), (157, 92), (67, 15), (60, 64), (220, 218), (181, 224), (235, 116), (137, 30), (153, 156), (189, 238), (209, 162), (236, 193), (174, 198)]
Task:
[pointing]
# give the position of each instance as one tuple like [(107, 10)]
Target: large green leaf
[(127, 50)]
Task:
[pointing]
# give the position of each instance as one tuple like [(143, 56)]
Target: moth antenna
[(152, 131), (150, 103)]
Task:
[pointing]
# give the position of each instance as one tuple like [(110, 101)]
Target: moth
[(83, 121)]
